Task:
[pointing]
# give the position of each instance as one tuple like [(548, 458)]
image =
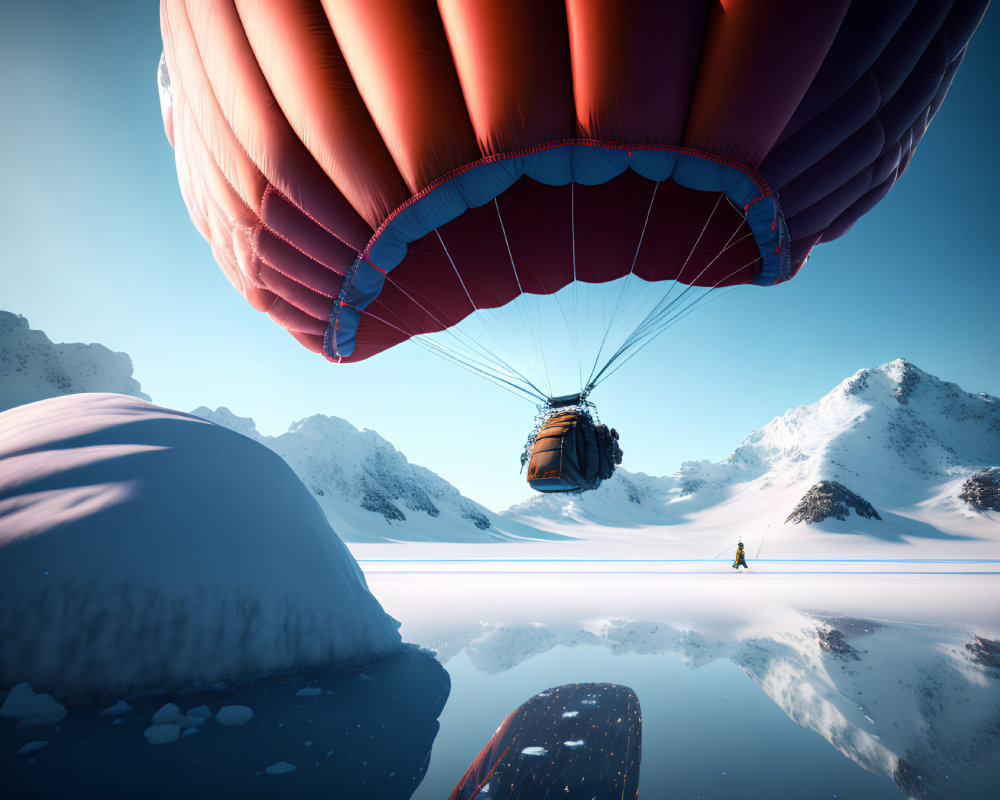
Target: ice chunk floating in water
[(234, 715)]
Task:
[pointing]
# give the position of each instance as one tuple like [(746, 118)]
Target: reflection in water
[(359, 733), (918, 704), (581, 741)]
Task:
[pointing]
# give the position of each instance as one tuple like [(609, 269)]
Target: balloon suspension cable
[(496, 376), (482, 361), (522, 312), (621, 293), (670, 311)]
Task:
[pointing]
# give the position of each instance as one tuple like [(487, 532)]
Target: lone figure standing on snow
[(740, 558)]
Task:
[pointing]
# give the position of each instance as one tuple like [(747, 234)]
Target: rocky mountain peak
[(897, 379), (227, 419), (32, 367), (346, 468)]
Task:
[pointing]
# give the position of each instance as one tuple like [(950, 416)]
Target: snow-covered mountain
[(368, 489), (899, 439), (34, 368)]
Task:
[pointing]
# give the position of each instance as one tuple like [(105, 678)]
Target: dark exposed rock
[(830, 499), (982, 490), (691, 485), (832, 640), (907, 383), (853, 626), (984, 651), (909, 780), (859, 383), (376, 502), (481, 521)]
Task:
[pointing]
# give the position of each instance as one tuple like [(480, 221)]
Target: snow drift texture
[(33, 368), (140, 546)]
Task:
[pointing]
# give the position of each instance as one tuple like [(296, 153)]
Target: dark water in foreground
[(820, 707)]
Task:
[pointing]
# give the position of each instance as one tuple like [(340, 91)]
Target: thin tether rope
[(513, 265), (483, 351), (457, 358), (655, 314), (621, 294), (500, 365), (706, 297), (650, 328), (592, 380)]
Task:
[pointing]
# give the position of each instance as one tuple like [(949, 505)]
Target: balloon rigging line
[(576, 288), (495, 368), (500, 373), (510, 254), (651, 322), (653, 314), (483, 319), (592, 380), (457, 275), (484, 353), (635, 258), (651, 328), (711, 296), (502, 370), (522, 312), (478, 368)]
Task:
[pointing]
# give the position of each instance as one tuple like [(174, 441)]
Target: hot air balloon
[(368, 173)]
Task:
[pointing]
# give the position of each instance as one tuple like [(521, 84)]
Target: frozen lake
[(805, 678), (822, 678)]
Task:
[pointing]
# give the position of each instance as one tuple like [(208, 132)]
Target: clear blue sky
[(98, 247)]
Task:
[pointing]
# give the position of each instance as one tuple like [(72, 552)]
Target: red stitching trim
[(264, 226), (294, 280), (272, 188), (239, 144)]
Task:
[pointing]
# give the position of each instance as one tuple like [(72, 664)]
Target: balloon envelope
[(369, 172)]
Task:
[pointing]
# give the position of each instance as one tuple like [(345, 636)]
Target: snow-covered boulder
[(32, 367), (982, 490), (143, 547), (830, 499)]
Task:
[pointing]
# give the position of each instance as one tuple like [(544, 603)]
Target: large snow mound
[(142, 547)]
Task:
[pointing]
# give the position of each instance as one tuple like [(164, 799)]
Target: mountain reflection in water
[(918, 705), (728, 710)]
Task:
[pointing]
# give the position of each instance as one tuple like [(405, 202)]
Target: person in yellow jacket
[(740, 558)]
